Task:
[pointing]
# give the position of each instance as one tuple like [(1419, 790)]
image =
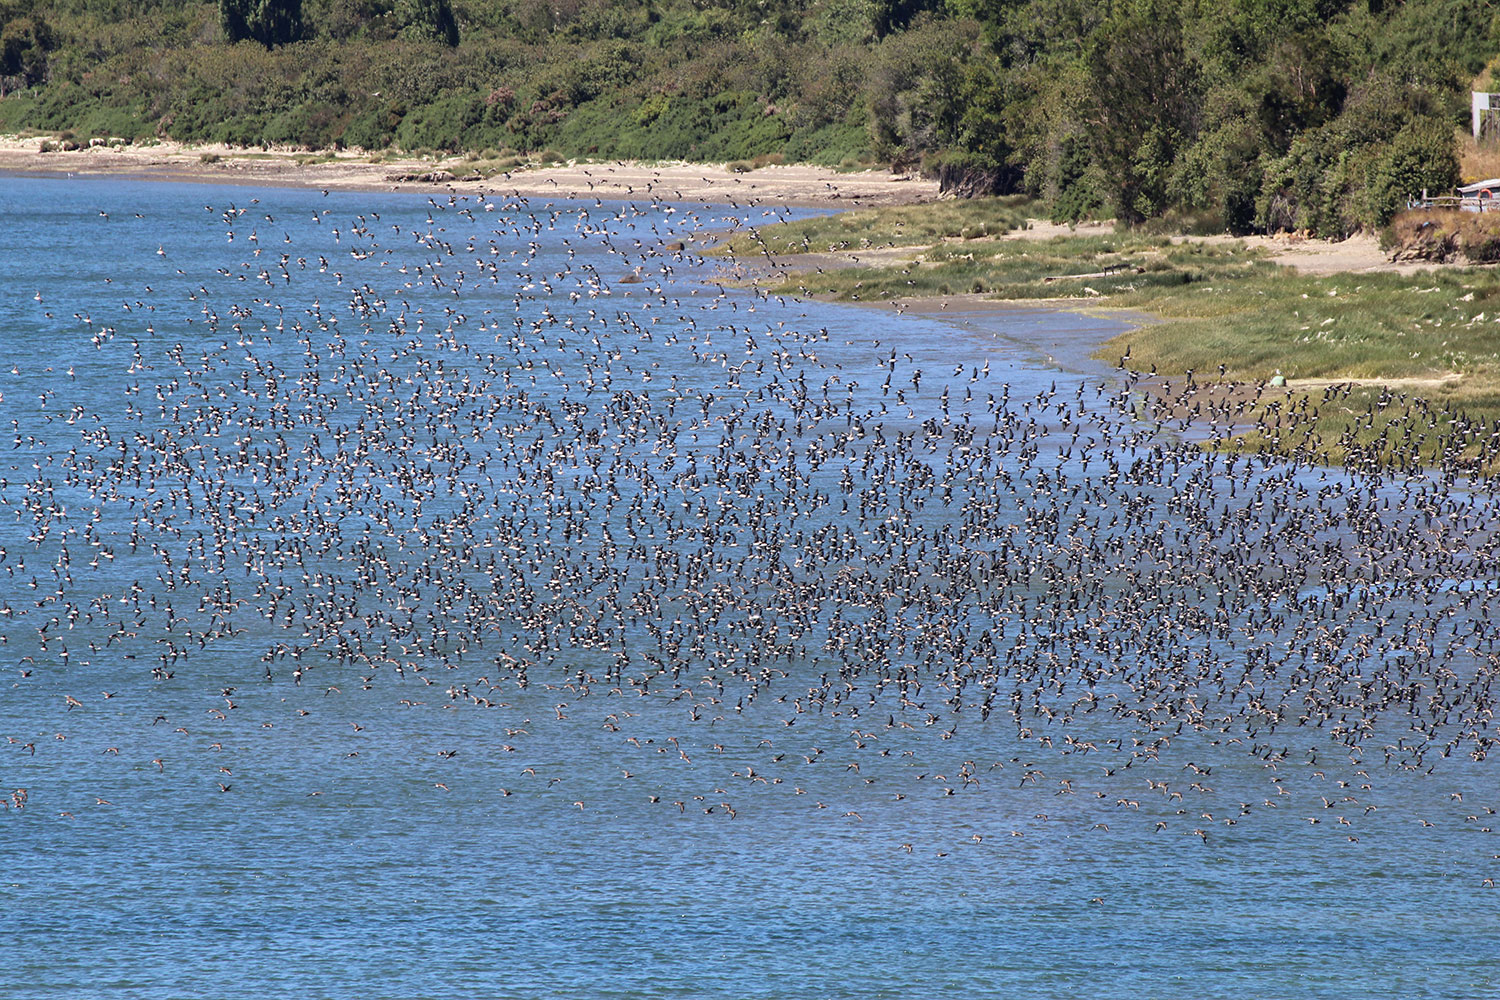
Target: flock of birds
[(540, 461)]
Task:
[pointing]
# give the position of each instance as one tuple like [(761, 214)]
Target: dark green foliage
[(449, 124), (25, 40), (373, 128), (1420, 158), (726, 126), (270, 22), (1079, 187), (1339, 177), (428, 19), (935, 90), (1143, 99), (894, 15), (1435, 44), (1228, 114)]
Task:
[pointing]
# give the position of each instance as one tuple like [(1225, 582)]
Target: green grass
[(1376, 427), (1081, 267), (1223, 311), (908, 225), (1369, 326)]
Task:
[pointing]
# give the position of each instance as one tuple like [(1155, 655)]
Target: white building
[(1481, 108)]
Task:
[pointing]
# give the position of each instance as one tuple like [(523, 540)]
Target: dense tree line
[(1230, 114)]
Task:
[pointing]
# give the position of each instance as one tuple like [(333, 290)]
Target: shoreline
[(1071, 349), (1074, 349), (795, 185)]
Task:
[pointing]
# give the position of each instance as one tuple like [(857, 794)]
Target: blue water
[(400, 548)]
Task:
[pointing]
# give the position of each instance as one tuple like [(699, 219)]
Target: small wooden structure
[(1484, 113)]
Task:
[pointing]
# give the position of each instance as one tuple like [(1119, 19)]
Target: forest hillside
[(1239, 115)]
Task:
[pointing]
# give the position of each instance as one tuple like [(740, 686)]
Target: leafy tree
[(1421, 156), (1221, 172), (270, 22), (1026, 32), (428, 19), (25, 40), (1143, 92), (1240, 33), (894, 15), (1298, 85), (1078, 184), (915, 89)]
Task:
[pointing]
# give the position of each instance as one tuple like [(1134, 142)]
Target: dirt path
[(1355, 255)]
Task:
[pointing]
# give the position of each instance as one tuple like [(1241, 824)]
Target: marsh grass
[(1430, 342), (1092, 267), (909, 225), (1425, 347), (1365, 327), (1477, 159), (1376, 427)]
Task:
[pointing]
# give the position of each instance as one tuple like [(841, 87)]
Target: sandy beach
[(1357, 254), (169, 161)]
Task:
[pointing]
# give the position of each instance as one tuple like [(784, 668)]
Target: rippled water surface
[(430, 597)]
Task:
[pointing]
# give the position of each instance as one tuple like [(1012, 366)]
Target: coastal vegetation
[(1214, 115), (1396, 368)]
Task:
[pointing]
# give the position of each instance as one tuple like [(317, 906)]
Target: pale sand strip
[(691, 182)]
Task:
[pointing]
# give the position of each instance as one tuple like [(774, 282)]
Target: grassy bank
[(1388, 368)]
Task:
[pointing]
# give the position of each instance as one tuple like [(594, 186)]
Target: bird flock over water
[(543, 463)]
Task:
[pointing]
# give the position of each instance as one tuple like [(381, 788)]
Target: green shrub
[(373, 128), (427, 20), (1422, 156), (270, 22), (1080, 186)]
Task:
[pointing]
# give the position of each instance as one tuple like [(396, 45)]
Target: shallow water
[(264, 815)]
